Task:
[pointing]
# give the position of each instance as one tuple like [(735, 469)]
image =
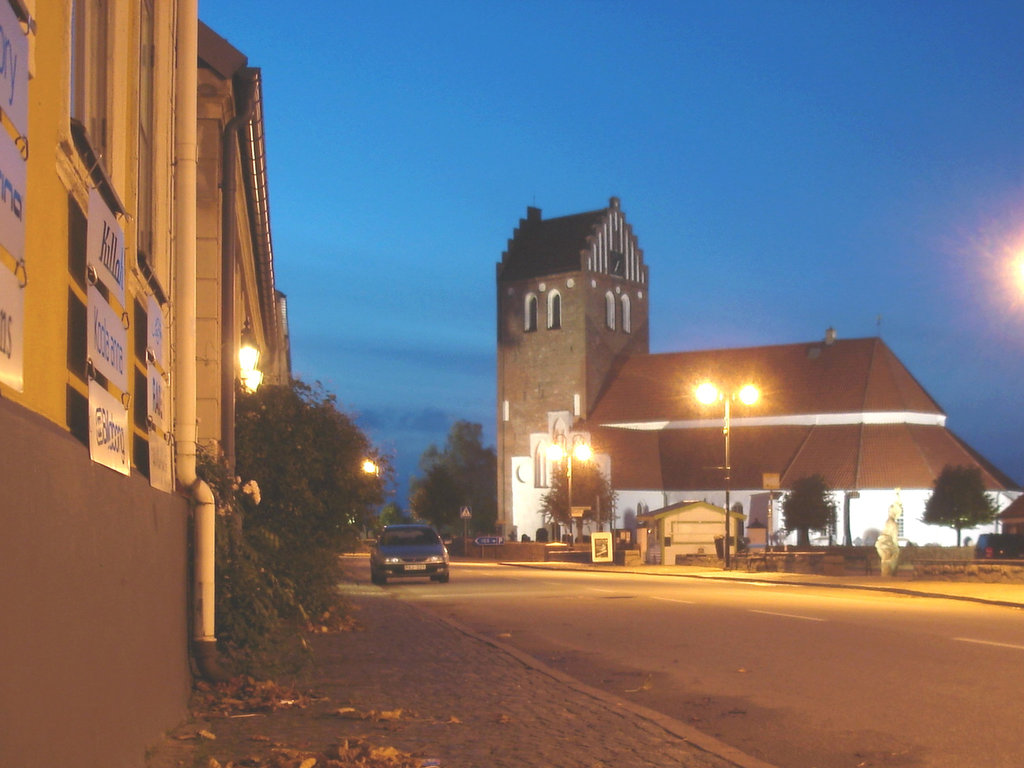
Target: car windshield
[(410, 537)]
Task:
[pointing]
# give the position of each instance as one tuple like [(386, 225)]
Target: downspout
[(229, 239), (204, 640)]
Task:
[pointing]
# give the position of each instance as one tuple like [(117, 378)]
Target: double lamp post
[(581, 451), (707, 394)]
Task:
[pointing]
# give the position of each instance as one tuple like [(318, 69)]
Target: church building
[(574, 366)]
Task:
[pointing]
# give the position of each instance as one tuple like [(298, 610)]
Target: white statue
[(888, 545)]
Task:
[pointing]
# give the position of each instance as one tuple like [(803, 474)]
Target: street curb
[(796, 582), (687, 733)]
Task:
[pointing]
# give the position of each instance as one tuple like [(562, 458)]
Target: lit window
[(554, 310)]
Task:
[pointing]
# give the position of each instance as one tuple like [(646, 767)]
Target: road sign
[(770, 481), (489, 541), (466, 513)]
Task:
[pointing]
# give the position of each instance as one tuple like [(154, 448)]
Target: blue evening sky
[(786, 166)]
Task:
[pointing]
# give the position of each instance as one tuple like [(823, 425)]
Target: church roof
[(542, 247), (848, 410), (844, 376)]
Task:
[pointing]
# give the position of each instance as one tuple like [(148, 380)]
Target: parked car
[(409, 549), (1000, 546)]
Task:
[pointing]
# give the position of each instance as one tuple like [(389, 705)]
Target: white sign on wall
[(160, 475), (12, 197), (155, 331), (156, 406), (12, 321), (108, 340), (108, 429), (13, 68), (104, 245)]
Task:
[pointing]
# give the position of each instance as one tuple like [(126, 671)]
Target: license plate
[(416, 567)]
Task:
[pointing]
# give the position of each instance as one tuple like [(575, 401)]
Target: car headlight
[(435, 559), (392, 560)]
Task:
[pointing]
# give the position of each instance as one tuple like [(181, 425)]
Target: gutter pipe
[(204, 640), (229, 258)]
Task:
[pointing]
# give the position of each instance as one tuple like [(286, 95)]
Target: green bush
[(297, 499)]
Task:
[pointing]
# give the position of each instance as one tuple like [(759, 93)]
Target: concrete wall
[(93, 590)]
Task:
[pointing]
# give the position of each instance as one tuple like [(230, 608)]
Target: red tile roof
[(840, 382), (850, 376)]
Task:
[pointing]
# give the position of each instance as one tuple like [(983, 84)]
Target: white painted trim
[(791, 420)]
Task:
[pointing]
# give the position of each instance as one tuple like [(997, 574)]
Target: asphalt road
[(800, 677)]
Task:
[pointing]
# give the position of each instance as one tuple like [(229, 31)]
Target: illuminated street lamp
[(249, 359), (370, 467), (707, 393), (581, 451)]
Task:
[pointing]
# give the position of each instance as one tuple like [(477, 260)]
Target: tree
[(306, 457), (297, 497), (391, 513), (959, 500), (437, 498), (590, 488), (473, 470), (809, 506)]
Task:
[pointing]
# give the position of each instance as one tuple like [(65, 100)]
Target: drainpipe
[(229, 238), (204, 640)]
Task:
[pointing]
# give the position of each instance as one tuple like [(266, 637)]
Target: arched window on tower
[(554, 310), (530, 313), (609, 310), (627, 321)]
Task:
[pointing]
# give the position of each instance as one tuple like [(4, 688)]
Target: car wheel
[(444, 578), (378, 578)]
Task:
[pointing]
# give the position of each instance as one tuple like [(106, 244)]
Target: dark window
[(554, 311), (530, 323), (141, 333), (77, 339), (140, 454), (141, 400), (78, 414), (77, 226)]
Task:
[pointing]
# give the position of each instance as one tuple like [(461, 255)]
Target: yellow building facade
[(121, 315)]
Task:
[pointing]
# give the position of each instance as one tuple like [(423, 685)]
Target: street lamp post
[(708, 393), (582, 452)]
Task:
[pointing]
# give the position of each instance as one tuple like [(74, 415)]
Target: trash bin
[(720, 547)]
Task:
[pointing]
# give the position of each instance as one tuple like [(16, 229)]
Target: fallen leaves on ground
[(348, 754), (245, 695), (336, 619), (351, 713)]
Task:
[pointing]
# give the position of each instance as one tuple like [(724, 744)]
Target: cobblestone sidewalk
[(463, 703)]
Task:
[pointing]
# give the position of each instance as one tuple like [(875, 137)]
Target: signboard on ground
[(601, 547), (489, 541)]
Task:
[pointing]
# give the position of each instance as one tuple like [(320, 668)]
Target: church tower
[(572, 302)]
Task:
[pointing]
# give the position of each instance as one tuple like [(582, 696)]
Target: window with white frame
[(609, 310), (554, 310), (530, 313), (627, 320)]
